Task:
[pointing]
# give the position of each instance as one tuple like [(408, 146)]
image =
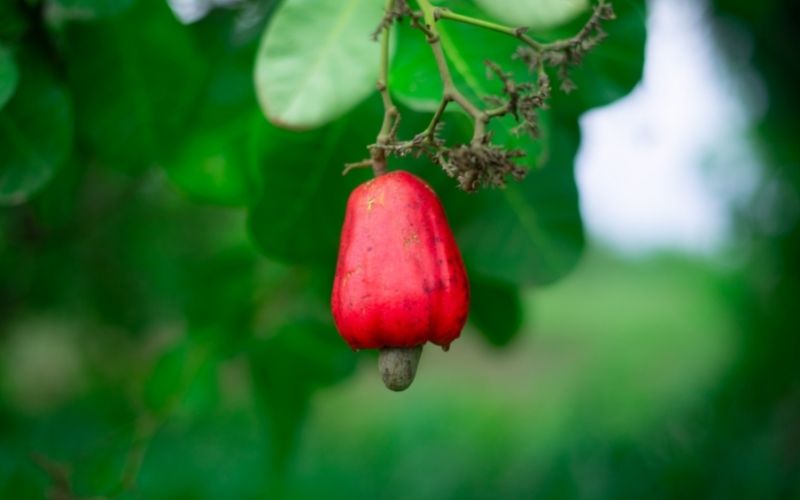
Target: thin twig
[(390, 113)]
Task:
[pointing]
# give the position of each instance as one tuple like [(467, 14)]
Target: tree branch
[(601, 11)]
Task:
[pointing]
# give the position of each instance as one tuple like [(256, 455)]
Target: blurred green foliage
[(166, 256), (589, 402)]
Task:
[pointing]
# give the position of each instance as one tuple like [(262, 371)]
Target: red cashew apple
[(400, 281)]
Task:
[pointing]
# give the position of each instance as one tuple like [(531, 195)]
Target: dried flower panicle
[(522, 100), (481, 165), (568, 53)]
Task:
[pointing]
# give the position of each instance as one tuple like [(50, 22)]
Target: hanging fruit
[(400, 281)]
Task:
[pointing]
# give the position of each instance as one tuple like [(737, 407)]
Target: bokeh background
[(166, 256)]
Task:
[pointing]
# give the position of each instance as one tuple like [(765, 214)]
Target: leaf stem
[(390, 113), (445, 13), (430, 130), (520, 32), (449, 92)]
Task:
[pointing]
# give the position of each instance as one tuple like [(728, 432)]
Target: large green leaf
[(9, 75), (536, 225), (610, 70), (35, 132), (534, 14), (495, 309), (135, 77), (413, 77), (530, 232), (301, 207), (317, 61)]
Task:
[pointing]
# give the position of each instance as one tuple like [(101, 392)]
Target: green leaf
[(534, 14), (317, 60), (495, 309), (299, 214), (530, 232), (414, 76), (9, 75), (537, 149), (35, 132), (136, 79), (613, 68), (414, 79)]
